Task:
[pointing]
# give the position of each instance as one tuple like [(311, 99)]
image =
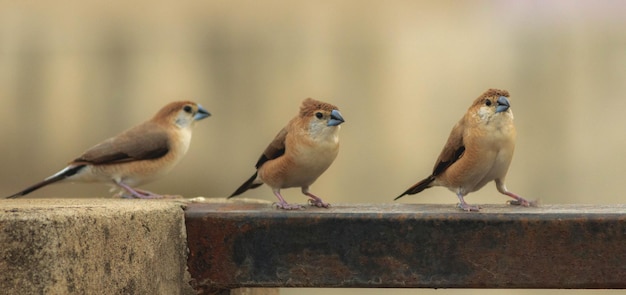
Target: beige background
[(402, 73)]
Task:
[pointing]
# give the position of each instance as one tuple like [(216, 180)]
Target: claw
[(519, 201), (314, 200), (469, 208), (139, 194), (523, 202), (287, 206), (465, 206), (318, 203)]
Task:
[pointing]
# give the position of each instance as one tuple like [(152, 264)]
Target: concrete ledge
[(92, 246), (111, 246)]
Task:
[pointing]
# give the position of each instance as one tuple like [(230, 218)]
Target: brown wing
[(140, 143), (275, 149), (452, 151)]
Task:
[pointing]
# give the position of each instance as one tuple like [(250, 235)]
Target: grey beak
[(503, 104), (201, 114), (335, 118)]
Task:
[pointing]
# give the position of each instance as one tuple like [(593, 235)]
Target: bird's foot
[(464, 205), (519, 201), (314, 200), (318, 203), (142, 194), (172, 197), (523, 202), (469, 208), (287, 206), (134, 193)]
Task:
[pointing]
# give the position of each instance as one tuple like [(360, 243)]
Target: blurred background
[(402, 72)]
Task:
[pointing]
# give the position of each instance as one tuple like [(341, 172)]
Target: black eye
[(187, 109), (319, 115), (487, 102)]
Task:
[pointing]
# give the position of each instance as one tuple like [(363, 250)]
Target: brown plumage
[(479, 149), (299, 153), (136, 156)]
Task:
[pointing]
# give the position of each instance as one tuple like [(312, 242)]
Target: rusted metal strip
[(407, 245)]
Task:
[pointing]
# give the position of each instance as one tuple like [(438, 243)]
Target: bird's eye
[(487, 102), (187, 109), (319, 115)]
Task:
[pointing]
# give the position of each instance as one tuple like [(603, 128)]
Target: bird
[(136, 156), (299, 153), (479, 149)]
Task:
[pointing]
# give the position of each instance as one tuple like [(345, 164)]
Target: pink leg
[(282, 204), (315, 200), (465, 206), (518, 200), (139, 194)]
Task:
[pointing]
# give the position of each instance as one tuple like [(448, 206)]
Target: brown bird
[(300, 153), (136, 156), (479, 150)]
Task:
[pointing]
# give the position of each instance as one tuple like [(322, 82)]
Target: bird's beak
[(335, 118), (201, 114), (503, 104)]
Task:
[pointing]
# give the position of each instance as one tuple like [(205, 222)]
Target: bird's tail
[(418, 187), (249, 184), (63, 174)]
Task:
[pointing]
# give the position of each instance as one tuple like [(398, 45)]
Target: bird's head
[(492, 104), (181, 113), (321, 116)]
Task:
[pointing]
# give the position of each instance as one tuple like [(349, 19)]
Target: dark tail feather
[(418, 187), (249, 184), (65, 173)]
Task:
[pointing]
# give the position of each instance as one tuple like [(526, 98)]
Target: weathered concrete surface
[(92, 246)]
